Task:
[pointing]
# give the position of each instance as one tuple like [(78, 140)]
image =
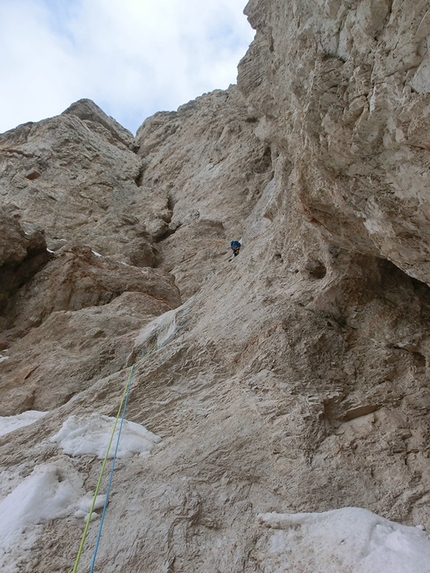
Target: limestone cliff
[(298, 381)]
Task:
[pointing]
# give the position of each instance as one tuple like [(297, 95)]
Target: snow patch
[(50, 492), (2, 358), (96, 254), (42, 496), (11, 423), (351, 540), (82, 435)]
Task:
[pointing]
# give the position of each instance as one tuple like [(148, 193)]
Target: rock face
[(205, 162), (21, 255), (344, 88), (297, 379), (74, 176)]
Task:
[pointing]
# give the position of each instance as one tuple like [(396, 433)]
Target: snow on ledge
[(82, 435), (50, 492), (11, 423), (347, 540), (42, 496)]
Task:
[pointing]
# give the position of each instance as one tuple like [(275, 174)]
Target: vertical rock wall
[(299, 381), (344, 90)]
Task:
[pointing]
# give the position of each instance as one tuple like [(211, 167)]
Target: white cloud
[(132, 57)]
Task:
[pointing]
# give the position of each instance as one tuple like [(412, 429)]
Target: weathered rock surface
[(74, 176), (298, 379), (74, 320), (210, 169), (21, 255), (344, 88)]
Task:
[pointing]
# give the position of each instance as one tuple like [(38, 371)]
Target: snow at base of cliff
[(347, 540), (55, 491)]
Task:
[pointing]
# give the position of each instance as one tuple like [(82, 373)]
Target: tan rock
[(338, 91), (21, 255), (73, 321), (85, 191), (297, 380)]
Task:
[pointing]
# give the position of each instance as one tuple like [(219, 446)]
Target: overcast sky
[(132, 57)]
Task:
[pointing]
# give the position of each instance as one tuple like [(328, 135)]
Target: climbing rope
[(130, 378), (96, 491), (121, 413)]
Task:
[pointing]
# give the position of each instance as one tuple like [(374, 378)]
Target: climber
[(235, 247)]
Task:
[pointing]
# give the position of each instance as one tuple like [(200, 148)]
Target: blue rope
[(111, 472), (178, 328)]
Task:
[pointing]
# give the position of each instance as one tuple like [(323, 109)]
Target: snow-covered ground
[(347, 540), (11, 423), (41, 496)]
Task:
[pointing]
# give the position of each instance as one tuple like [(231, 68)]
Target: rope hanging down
[(111, 471), (121, 413)]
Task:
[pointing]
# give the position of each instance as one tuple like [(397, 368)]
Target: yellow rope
[(87, 525), (124, 394)]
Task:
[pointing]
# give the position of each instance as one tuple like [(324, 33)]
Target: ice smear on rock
[(11, 423), (159, 331), (81, 435), (350, 540)]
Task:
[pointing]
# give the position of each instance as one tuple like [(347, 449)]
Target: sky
[(131, 57)]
